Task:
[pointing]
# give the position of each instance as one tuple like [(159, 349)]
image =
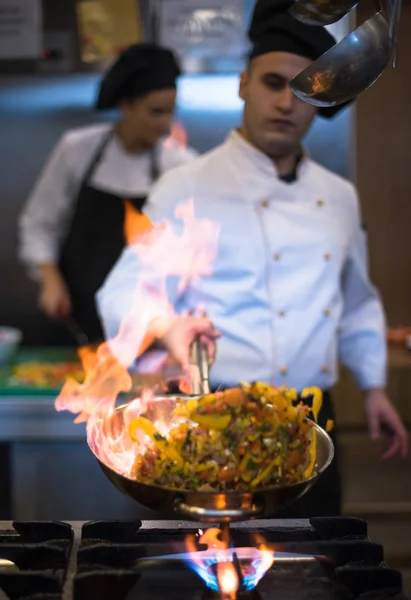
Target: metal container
[(213, 506)]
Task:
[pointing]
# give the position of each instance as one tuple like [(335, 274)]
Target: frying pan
[(210, 506)]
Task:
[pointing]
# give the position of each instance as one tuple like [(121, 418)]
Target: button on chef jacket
[(289, 291), (47, 215)]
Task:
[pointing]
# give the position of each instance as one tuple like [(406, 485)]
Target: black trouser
[(324, 499)]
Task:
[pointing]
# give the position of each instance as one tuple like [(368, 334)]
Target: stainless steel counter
[(53, 473), (24, 418)]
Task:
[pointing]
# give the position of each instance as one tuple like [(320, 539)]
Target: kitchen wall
[(383, 139), (35, 110)]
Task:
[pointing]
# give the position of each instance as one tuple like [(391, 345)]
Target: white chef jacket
[(47, 215), (290, 291)]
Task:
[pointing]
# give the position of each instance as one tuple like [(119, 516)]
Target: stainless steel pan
[(213, 507)]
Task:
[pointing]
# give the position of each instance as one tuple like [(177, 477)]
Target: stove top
[(99, 560)]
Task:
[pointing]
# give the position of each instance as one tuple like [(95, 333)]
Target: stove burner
[(241, 595), (106, 562), (39, 553)]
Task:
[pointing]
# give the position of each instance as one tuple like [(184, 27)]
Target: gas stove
[(324, 558)]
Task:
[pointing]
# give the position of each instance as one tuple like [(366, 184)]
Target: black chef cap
[(274, 29), (140, 69)]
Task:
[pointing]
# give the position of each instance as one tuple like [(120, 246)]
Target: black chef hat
[(274, 29), (140, 69)]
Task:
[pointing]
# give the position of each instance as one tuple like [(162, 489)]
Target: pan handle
[(199, 513)]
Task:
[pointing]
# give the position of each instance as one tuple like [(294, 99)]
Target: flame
[(178, 135), (216, 564), (162, 252), (136, 224), (227, 579)]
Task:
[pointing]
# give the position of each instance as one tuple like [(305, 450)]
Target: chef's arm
[(47, 273), (134, 300), (362, 340), (43, 221), (42, 226), (135, 314)]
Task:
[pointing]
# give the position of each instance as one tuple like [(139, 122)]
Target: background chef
[(290, 293), (71, 229)]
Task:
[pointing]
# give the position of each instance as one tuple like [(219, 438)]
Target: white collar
[(250, 156)]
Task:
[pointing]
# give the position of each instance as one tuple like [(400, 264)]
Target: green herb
[(159, 437), (251, 464), (232, 440), (230, 436)]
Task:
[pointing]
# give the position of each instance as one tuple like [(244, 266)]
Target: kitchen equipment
[(103, 560), (395, 15), (76, 332), (320, 12), (349, 67), (10, 340), (206, 506), (200, 361)]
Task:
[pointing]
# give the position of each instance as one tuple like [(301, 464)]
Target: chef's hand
[(54, 298), (384, 420), (178, 333)]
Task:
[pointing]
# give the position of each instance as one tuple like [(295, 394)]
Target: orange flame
[(227, 579), (162, 253), (216, 564), (136, 224)]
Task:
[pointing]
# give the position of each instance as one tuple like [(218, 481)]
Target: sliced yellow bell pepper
[(277, 462), (208, 466), (244, 474), (158, 440), (317, 395), (244, 461), (219, 422), (329, 426), (292, 394), (191, 405), (313, 455)]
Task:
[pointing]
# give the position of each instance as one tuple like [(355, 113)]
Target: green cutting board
[(47, 355), (9, 388)]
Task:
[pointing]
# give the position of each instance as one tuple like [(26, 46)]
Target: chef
[(71, 229), (290, 294)]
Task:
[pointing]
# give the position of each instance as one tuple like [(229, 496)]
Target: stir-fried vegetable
[(245, 438), (48, 375)]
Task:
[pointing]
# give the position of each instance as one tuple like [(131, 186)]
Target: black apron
[(94, 243)]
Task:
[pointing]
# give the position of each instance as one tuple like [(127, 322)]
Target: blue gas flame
[(252, 568)]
